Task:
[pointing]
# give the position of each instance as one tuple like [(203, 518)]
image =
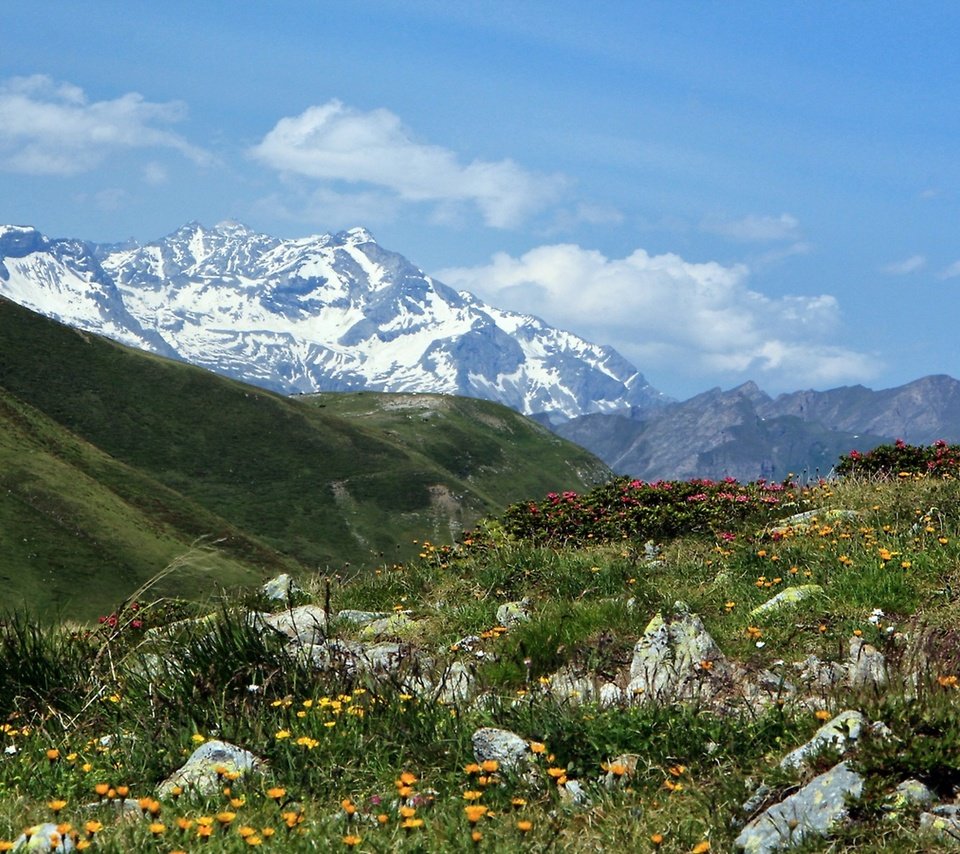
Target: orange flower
[(474, 812), (524, 826)]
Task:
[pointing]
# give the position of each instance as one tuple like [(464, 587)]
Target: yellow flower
[(412, 823), (282, 734), (537, 747), (158, 829), (350, 840), (524, 826), (472, 795), (277, 793), (656, 838), (56, 805), (489, 765), (474, 812), (407, 812), (700, 847), (92, 827), (822, 715), (348, 806), (196, 738), (53, 754), (225, 817)]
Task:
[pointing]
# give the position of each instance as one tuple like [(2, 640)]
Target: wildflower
[(246, 831), (350, 840), (524, 826), (472, 795), (225, 817), (253, 840), (474, 812), (349, 807), (277, 793), (53, 754), (204, 831), (700, 847), (472, 768), (282, 734), (101, 789), (184, 823), (489, 765), (947, 681), (407, 778), (267, 832), (407, 812), (518, 802), (93, 827), (412, 823), (656, 838), (158, 829), (822, 715), (56, 805), (383, 818), (476, 837), (537, 747)]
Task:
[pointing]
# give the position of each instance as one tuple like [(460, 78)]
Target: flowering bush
[(939, 459), (625, 509)]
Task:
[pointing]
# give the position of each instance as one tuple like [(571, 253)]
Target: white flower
[(761, 644)]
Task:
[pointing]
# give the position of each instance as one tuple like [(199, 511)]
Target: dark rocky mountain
[(746, 434)]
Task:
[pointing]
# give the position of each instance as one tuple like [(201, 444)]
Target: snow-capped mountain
[(328, 312)]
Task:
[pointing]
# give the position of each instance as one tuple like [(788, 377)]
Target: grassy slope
[(320, 488)]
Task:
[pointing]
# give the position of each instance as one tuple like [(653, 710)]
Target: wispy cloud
[(336, 143), (52, 128), (755, 228), (952, 271), (904, 267), (664, 312)]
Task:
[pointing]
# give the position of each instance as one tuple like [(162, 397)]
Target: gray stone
[(507, 748), (43, 837), (513, 613), (910, 793), (361, 618), (677, 660), (820, 676), (304, 624), (867, 666), (283, 588), (837, 734), (456, 685), (202, 772), (944, 828), (790, 596), (813, 811), (394, 625), (573, 793)]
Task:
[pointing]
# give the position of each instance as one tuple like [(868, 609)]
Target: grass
[(365, 764), (113, 461)]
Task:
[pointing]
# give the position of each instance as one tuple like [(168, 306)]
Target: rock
[(619, 770), (820, 677), (513, 613), (790, 596), (507, 748), (283, 588), (944, 828), (43, 837), (837, 734), (573, 793), (361, 618), (568, 685), (304, 624), (866, 667), (803, 521), (911, 793), (456, 685), (395, 625), (677, 661), (813, 811), (203, 771)]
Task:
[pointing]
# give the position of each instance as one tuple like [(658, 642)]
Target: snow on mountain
[(328, 312)]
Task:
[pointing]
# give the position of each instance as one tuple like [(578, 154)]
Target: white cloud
[(334, 142), (51, 128), (671, 315), (904, 267), (755, 228), (952, 271)]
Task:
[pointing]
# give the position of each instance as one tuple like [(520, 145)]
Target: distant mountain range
[(746, 434), (324, 313), (339, 312)]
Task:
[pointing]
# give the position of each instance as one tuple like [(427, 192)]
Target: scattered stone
[(456, 685), (867, 666), (395, 625), (790, 596), (911, 793), (820, 677), (203, 771), (304, 624), (361, 618), (942, 825), (838, 734), (573, 793), (513, 613), (43, 837), (813, 811), (283, 588), (803, 521), (677, 661), (507, 748)]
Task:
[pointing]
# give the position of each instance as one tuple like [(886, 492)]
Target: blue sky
[(722, 191)]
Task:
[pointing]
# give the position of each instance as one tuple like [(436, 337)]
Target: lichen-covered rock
[(43, 837), (790, 596), (501, 745), (943, 823), (203, 771), (677, 660), (304, 624), (813, 811), (455, 685), (513, 613), (397, 625), (839, 734), (360, 618), (283, 588), (866, 666)]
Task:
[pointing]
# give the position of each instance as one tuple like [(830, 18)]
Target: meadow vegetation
[(98, 714)]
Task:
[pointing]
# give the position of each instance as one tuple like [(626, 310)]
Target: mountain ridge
[(321, 313)]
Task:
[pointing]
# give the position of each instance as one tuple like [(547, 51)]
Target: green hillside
[(117, 460)]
